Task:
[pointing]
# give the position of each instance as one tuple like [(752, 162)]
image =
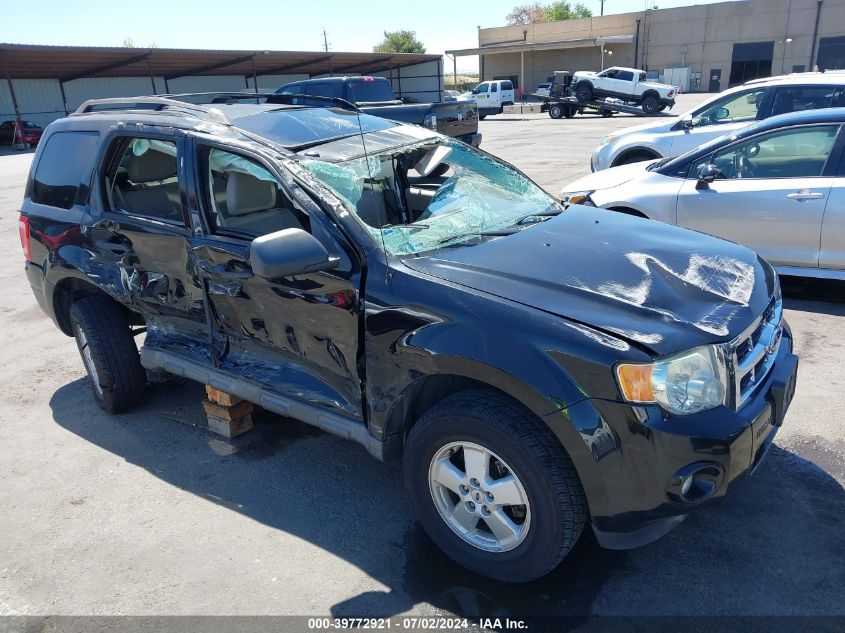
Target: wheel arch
[(651, 92), (70, 289), (635, 151), (627, 210), (421, 395)]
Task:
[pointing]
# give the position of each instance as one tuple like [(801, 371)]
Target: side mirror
[(707, 174), (721, 113), (288, 252), (687, 122)]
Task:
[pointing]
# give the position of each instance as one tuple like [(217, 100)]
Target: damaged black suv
[(536, 369)]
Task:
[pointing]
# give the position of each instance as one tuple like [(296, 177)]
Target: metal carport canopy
[(66, 63), (521, 46)]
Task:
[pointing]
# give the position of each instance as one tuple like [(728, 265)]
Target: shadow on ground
[(774, 546)]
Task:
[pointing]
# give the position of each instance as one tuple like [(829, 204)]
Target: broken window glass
[(426, 196)]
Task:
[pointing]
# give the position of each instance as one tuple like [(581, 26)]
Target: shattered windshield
[(433, 194)]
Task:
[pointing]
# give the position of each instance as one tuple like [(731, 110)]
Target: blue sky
[(265, 24)]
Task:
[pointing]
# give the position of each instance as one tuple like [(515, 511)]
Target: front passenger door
[(297, 335), (770, 196)]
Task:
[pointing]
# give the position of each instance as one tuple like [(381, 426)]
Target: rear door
[(297, 336), (772, 196), (143, 231)]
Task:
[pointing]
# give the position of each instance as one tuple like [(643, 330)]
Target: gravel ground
[(148, 513)]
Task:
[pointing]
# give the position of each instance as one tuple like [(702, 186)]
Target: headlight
[(578, 197), (689, 382), (608, 139)]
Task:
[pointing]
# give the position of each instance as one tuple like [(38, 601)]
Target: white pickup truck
[(627, 84)]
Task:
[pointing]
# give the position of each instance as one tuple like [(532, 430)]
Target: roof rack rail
[(154, 103), (311, 101)]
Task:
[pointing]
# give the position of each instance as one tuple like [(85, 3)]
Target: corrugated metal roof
[(28, 61)]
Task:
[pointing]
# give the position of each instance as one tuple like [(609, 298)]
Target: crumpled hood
[(665, 288), (608, 178)]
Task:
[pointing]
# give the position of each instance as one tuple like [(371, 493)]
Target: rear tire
[(651, 104), (584, 92), (108, 352), (498, 458), (556, 111)]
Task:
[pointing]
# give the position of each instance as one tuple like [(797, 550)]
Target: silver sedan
[(777, 186)]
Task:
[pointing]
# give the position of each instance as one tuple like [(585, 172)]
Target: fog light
[(695, 483)]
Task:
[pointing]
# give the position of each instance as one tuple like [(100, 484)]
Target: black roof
[(283, 126)]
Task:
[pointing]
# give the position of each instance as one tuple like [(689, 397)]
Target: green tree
[(554, 12), (563, 10), (399, 42)]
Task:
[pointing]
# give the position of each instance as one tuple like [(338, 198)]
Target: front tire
[(108, 352), (556, 111), (492, 487)]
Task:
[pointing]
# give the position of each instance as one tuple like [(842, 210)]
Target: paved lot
[(147, 513)]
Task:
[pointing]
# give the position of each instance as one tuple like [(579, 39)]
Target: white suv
[(722, 114)]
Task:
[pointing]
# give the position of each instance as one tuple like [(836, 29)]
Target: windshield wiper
[(548, 213), (494, 232)]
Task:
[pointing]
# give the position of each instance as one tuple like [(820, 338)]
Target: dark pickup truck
[(375, 96)]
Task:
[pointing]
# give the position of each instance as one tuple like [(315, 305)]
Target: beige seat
[(152, 188), (251, 206)]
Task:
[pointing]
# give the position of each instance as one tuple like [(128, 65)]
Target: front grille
[(754, 351)]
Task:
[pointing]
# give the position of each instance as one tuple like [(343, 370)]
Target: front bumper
[(637, 497), (473, 139)]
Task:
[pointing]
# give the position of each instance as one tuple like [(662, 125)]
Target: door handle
[(225, 271), (805, 194), (119, 247)]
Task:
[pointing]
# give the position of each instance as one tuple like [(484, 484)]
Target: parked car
[(451, 95), (627, 84), (491, 96), (722, 114), (28, 133), (543, 90), (777, 186), (311, 260), (375, 96)]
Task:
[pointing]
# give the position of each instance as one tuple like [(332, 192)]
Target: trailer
[(568, 106)]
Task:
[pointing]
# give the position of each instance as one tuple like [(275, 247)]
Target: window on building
[(751, 60), (61, 167), (831, 53)]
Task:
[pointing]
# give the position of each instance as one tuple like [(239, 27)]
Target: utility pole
[(602, 6), (325, 41)]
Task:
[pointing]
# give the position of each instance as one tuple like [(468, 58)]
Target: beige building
[(700, 48)]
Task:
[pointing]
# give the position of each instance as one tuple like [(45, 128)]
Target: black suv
[(536, 369)]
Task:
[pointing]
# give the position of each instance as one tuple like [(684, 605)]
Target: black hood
[(659, 286)]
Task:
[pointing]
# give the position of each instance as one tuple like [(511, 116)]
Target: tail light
[(23, 229)]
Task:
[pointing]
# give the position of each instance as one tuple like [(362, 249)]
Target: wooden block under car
[(221, 397), (233, 412), (229, 428)]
